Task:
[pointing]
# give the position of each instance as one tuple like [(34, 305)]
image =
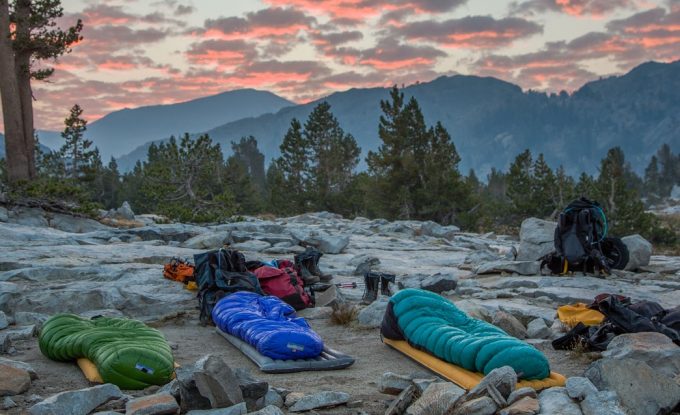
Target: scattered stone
[(422, 384), (437, 399), (655, 349), (251, 388), (436, 230), (371, 316), (190, 397), (524, 406), (639, 251), (292, 398), (239, 409), (537, 329), (318, 400), (394, 384), (123, 212), (521, 393), (580, 388), (478, 406), (272, 398), (269, 410), (81, 401), (21, 333), (172, 388), (642, 390), (4, 216), (20, 365), (27, 318), (536, 239), (555, 401), (439, 283), (216, 381), (364, 263), (3, 321), (13, 381), (602, 403), (5, 343), (355, 404), (399, 405), (7, 403), (504, 379), (513, 267), (509, 324), (210, 240), (160, 404)]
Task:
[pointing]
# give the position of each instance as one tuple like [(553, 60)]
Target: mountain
[(121, 131), (491, 121)]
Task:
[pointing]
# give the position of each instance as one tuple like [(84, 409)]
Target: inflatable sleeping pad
[(268, 324), (126, 352), (432, 323)]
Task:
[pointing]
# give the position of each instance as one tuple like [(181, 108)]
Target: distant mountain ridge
[(121, 131), (491, 121)]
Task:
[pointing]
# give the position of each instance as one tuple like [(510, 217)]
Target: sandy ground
[(192, 341)]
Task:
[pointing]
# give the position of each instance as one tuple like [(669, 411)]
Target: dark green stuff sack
[(126, 352)]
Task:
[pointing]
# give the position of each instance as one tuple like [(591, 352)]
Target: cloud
[(223, 53), (470, 31), (183, 10), (390, 54), (572, 7), (265, 23)]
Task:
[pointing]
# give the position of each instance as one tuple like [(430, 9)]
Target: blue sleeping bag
[(268, 324)]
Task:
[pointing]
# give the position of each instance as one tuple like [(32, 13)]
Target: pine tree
[(565, 188), (334, 157), (652, 180), (543, 189), (294, 167), (247, 195), (252, 159), (668, 174), (520, 184), (80, 158)]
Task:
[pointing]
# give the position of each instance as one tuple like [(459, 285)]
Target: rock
[(292, 398), (422, 384), (555, 401), (190, 397), (509, 324), (536, 239), (639, 251), (32, 217), (521, 393), (209, 240), (239, 409), (162, 403), (371, 316), (216, 381), (272, 398), (602, 403), (123, 212), (515, 267), (504, 379), (328, 244), (439, 283), (75, 224), (437, 399), (524, 406), (477, 406), (13, 381), (173, 388), (7, 403), (580, 388), (318, 400), (430, 228), (20, 365), (4, 216), (402, 402), (252, 246), (252, 390), (27, 318), (394, 384), (655, 349), (537, 329), (269, 410), (642, 390), (675, 193), (21, 333), (77, 402), (364, 264), (5, 343), (3, 320)]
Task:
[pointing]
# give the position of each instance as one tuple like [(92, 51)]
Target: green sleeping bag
[(431, 322), (127, 353)]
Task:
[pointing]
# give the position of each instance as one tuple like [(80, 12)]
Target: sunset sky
[(139, 53)]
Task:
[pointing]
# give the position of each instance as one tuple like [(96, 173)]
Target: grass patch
[(344, 313)]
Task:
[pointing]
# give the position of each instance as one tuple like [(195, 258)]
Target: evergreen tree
[(565, 188), (278, 201), (80, 158), (293, 166), (111, 186), (252, 159), (543, 189), (334, 157), (668, 175), (247, 195), (520, 184), (652, 181)]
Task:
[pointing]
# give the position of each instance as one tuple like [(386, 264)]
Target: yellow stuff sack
[(573, 314)]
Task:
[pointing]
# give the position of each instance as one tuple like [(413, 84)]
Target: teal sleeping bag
[(126, 352), (432, 323)]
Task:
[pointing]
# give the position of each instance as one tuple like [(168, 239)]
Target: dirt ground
[(192, 341)]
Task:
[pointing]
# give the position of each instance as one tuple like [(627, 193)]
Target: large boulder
[(208, 240), (436, 230), (639, 251), (509, 324), (642, 390), (536, 239), (655, 349), (436, 399), (34, 217), (372, 315), (555, 401), (123, 212)]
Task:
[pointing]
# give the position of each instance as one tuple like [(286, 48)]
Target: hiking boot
[(372, 282), (385, 280)]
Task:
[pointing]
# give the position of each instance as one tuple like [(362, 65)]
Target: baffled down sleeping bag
[(268, 324), (432, 323), (126, 352)]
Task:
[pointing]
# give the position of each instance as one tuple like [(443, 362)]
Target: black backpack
[(581, 242), (219, 273)]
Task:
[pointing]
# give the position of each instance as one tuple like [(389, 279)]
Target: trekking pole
[(347, 285)]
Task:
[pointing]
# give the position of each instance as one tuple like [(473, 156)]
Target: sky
[(137, 53)]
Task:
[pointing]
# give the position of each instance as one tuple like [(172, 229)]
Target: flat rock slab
[(555, 401), (158, 404), (78, 402), (318, 400), (13, 380)]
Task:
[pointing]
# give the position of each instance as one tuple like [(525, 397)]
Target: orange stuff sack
[(179, 270), (573, 314)]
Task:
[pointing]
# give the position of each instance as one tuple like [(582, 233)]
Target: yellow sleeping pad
[(91, 372), (573, 314), (462, 377)]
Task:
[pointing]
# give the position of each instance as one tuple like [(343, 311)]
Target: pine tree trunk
[(22, 65), (18, 161)]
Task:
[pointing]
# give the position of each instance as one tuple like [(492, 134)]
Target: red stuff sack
[(285, 284)]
